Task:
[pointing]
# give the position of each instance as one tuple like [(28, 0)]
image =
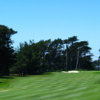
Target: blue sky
[(50, 19)]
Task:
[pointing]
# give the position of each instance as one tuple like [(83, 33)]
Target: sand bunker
[(70, 72)]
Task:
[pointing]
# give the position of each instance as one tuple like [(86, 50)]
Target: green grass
[(55, 86)]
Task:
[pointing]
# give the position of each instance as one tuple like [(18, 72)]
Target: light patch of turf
[(53, 86)]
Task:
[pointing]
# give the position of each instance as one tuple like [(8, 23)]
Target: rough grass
[(55, 86)]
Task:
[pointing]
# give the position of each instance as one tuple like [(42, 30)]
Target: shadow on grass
[(6, 77), (97, 82), (49, 73), (96, 72)]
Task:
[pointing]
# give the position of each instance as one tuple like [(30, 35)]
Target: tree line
[(43, 56)]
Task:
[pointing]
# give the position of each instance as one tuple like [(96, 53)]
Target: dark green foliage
[(6, 50), (55, 55), (43, 56), (96, 63), (47, 56), (31, 58)]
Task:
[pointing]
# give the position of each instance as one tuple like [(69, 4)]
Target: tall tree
[(69, 51), (96, 63), (81, 55), (6, 49), (31, 58), (55, 55)]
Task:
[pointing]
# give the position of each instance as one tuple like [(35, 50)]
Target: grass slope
[(54, 86)]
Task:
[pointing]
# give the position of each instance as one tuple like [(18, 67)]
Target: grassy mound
[(55, 86)]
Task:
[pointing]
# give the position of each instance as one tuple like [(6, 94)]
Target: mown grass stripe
[(55, 86)]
